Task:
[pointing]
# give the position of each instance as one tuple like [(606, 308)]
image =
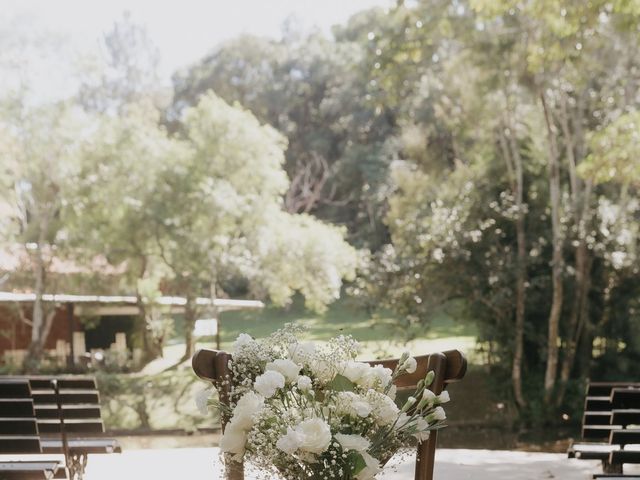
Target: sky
[(184, 30)]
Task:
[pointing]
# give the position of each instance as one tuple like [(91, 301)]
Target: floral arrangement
[(304, 411)]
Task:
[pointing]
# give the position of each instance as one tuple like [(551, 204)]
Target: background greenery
[(440, 159)]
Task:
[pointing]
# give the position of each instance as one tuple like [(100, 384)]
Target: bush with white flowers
[(307, 412)]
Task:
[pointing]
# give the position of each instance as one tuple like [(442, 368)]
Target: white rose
[(286, 367), (248, 405), (410, 365), (349, 403), (233, 440), (437, 415), (290, 442), (355, 371), (377, 377), (304, 383), (384, 410), (267, 383), (316, 435), (372, 467), (301, 352), (242, 340), (353, 442), (443, 397)]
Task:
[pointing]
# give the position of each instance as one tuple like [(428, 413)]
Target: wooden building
[(112, 322)]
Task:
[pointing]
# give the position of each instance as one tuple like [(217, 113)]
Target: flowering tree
[(218, 216), (197, 211)]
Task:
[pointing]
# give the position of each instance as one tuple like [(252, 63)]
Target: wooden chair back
[(449, 367), (18, 426)]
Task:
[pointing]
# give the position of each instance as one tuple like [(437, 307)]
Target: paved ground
[(454, 464)]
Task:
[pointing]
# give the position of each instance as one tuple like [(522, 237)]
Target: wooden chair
[(67, 413), (611, 410), (19, 435), (449, 367)]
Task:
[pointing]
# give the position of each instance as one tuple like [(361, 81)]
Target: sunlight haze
[(183, 31)]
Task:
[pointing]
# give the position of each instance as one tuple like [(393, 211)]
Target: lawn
[(379, 335), (161, 396)]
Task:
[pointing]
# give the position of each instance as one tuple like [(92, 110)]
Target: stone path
[(451, 464)]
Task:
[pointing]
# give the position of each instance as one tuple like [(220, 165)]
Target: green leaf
[(340, 383), (358, 462)]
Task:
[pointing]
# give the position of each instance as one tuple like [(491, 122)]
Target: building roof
[(175, 303)]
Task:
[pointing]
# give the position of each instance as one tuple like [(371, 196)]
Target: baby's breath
[(335, 420)]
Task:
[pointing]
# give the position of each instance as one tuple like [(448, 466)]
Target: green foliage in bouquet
[(306, 411)]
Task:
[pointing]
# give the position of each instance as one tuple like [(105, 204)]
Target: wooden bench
[(67, 412), (19, 435), (449, 367), (610, 423)]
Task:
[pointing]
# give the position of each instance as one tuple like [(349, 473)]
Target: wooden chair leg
[(611, 467), (425, 457)]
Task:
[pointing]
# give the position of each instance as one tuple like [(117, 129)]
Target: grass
[(380, 336), (162, 394)]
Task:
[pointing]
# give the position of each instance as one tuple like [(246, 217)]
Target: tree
[(41, 161), (515, 89), (124, 72), (122, 160), (316, 93), (219, 217), (191, 213)]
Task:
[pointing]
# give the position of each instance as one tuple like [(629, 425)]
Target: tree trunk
[(37, 319), (577, 317), (516, 373), (190, 315), (557, 262), (513, 160), (581, 200)]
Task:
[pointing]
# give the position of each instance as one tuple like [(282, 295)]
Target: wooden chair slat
[(29, 470), (598, 432), (20, 444), (597, 404), (78, 411), (18, 426), (625, 437), (75, 426), (17, 407), (14, 388), (85, 445), (625, 417), (67, 397), (616, 476), (596, 418), (624, 456), (595, 389), (74, 383), (625, 398)]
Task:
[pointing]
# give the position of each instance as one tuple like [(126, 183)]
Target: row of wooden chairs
[(49, 415), (610, 427)]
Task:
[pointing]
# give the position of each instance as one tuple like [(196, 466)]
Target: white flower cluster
[(306, 411)]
